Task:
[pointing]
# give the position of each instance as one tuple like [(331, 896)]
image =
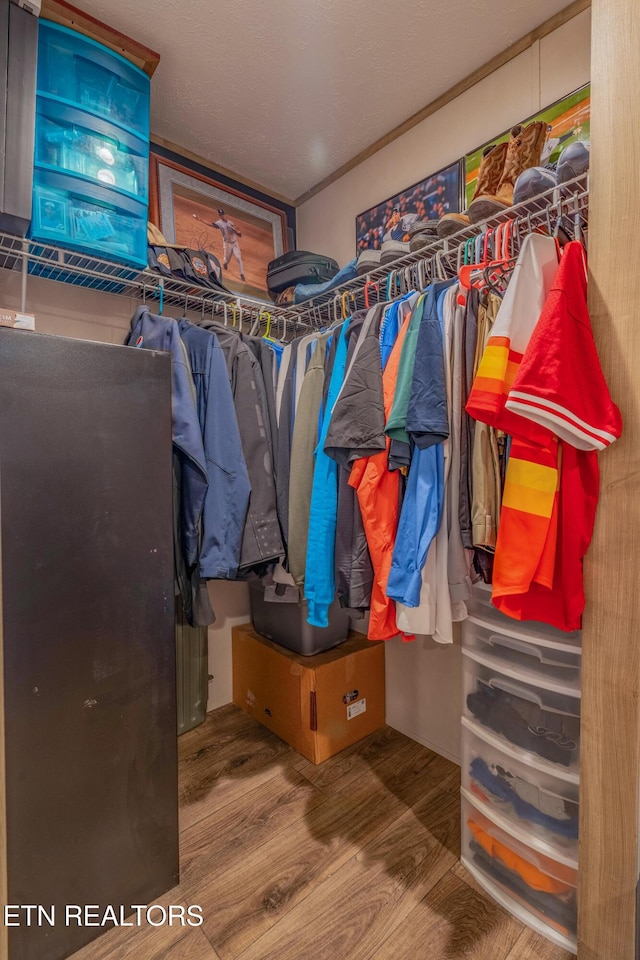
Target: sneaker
[(573, 161), (422, 233), (367, 261), (451, 223), (532, 183), (393, 250)]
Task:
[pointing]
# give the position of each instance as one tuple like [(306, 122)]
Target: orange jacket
[(378, 490)]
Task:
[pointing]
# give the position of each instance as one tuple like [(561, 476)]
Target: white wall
[(550, 69), (64, 310), (424, 685)]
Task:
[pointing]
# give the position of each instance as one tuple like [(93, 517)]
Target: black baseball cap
[(221, 211)]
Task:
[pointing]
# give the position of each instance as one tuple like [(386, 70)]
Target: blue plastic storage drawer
[(86, 74), (69, 140), (69, 212)]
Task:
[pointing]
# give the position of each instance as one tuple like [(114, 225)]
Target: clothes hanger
[(337, 305), (390, 277), (345, 299), (267, 333), (370, 285)]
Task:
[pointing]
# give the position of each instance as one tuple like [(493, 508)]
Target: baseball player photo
[(230, 237)]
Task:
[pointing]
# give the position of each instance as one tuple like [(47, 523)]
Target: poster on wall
[(567, 120), (429, 199), (197, 212)]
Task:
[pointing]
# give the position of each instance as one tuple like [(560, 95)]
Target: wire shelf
[(92, 273), (441, 258)]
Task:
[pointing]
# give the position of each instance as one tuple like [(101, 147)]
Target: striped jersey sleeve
[(559, 383), (517, 318)]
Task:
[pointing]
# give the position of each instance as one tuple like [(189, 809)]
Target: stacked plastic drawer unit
[(520, 767), (91, 170)]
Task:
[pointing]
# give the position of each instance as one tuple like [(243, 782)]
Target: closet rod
[(59, 265), (442, 258), (439, 259)]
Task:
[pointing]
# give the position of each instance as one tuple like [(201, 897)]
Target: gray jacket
[(262, 539)]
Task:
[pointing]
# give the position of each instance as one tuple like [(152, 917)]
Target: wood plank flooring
[(357, 857)]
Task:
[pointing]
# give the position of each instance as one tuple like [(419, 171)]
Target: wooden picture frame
[(179, 194)]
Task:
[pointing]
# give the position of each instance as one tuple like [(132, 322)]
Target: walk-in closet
[(317, 481)]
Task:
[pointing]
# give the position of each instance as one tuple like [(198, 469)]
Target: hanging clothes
[(551, 491), (304, 443), (152, 332), (434, 613), (378, 494), (357, 423), (459, 558), (485, 456), (396, 425), (428, 426), (262, 538), (354, 570), (319, 584), (227, 497), (471, 302), (560, 386)]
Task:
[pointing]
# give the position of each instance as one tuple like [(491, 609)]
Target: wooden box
[(319, 705)]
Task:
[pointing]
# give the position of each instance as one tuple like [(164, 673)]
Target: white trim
[(536, 411), (557, 425), (567, 413)]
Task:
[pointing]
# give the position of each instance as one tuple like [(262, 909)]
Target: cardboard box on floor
[(318, 705)]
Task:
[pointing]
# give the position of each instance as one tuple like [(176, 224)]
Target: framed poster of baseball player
[(429, 199), (196, 211)]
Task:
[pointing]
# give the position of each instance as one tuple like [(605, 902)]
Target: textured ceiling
[(284, 92)]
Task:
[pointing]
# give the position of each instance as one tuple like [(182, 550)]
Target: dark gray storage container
[(286, 623), (18, 63)]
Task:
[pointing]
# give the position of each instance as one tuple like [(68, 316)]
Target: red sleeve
[(560, 384)]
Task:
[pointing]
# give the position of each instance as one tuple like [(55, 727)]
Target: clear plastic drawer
[(480, 605), (521, 878), (546, 656), (537, 715), (538, 806)]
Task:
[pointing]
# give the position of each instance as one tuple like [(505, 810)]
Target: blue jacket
[(427, 414), (428, 424), (161, 333), (227, 497), (320, 581)]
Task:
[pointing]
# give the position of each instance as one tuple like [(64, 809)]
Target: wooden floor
[(355, 858)]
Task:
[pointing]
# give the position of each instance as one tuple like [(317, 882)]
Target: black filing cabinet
[(18, 67), (87, 633)]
